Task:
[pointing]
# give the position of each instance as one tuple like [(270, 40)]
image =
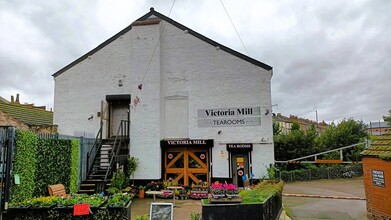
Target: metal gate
[(7, 138)]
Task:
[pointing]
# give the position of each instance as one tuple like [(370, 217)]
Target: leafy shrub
[(118, 180), (261, 192), (53, 164), (74, 177), (25, 164)]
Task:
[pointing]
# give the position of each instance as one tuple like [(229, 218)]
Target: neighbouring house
[(286, 123), (198, 110), (26, 116), (377, 177), (378, 127)]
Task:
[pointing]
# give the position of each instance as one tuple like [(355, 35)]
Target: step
[(86, 191), (87, 184)]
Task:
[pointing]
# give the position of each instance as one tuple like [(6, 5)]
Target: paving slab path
[(314, 205), (141, 207)]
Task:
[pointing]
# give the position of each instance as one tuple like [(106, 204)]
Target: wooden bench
[(57, 190)]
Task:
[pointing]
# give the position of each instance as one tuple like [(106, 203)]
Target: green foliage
[(385, 157), (112, 190), (271, 171), (74, 178), (298, 143), (195, 216), (43, 162), (119, 199), (276, 128), (312, 172), (53, 164), (132, 166), (295, 126), (118, 180), (25, 163), (261, 192), (142, 217), (295, 144), (347, 132), (387, 118)]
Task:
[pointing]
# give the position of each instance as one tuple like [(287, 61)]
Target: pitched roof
[(27, 114), (176, 24), (380, 147)]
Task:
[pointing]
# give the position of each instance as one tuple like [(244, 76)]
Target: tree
[(298, 143), (388, 118), (276, 128), (295, 126)]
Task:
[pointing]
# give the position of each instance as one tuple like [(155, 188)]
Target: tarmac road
[(326, 208)]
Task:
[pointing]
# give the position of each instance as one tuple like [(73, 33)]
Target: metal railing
[(91, 155), (120, 139)]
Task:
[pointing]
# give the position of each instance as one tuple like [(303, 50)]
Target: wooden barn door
[(186, 165)]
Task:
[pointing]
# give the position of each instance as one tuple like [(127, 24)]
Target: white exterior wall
[(213, 78), (183, 65)]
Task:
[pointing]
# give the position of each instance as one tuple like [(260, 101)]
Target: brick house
[(378, 128), (189, 100), (377, 177), (26, 116), (286, 123)]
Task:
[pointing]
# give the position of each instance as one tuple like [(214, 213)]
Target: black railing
[(120, 139), (91, 155), (7, 140)]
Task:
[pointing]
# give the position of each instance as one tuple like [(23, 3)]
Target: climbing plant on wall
[(25, 164)]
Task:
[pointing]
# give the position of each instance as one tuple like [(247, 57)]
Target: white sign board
[(378, 178), (229, 122), (228, 112), (229, 117), (161, 211)]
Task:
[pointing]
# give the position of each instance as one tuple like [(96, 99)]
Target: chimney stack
[(17, 98), (12, 99)]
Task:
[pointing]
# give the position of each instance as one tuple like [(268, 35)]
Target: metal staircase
[(103, 158)]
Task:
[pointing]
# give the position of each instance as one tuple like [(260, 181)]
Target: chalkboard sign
[(378, 178), (161, 211)]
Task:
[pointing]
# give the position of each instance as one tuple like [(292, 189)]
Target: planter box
[(223, 199), (270, 209)]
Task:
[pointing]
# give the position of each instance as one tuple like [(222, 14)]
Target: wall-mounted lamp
[(120, 82), (267, 112), (91, 117), (219, 132), (222, 154)]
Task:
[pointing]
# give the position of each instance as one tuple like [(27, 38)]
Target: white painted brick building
[(185, 76)]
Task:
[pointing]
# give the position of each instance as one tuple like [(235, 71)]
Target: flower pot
[(141, 193), (230, 196), (218, 196)]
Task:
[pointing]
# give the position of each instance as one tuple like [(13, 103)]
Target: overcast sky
[(329, 56)]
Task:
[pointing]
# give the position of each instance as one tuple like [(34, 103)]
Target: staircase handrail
[(116, 148), (91, 155)]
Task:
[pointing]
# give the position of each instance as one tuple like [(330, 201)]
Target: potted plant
[(217, 190), (141, 192), (183, 193), (231, 190), (132, 167)]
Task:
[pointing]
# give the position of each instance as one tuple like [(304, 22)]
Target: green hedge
[(329, 172), (53, 164), (74, 179), (24, 166), (43, 162)]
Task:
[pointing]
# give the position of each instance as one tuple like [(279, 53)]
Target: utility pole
[(317, 123)]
